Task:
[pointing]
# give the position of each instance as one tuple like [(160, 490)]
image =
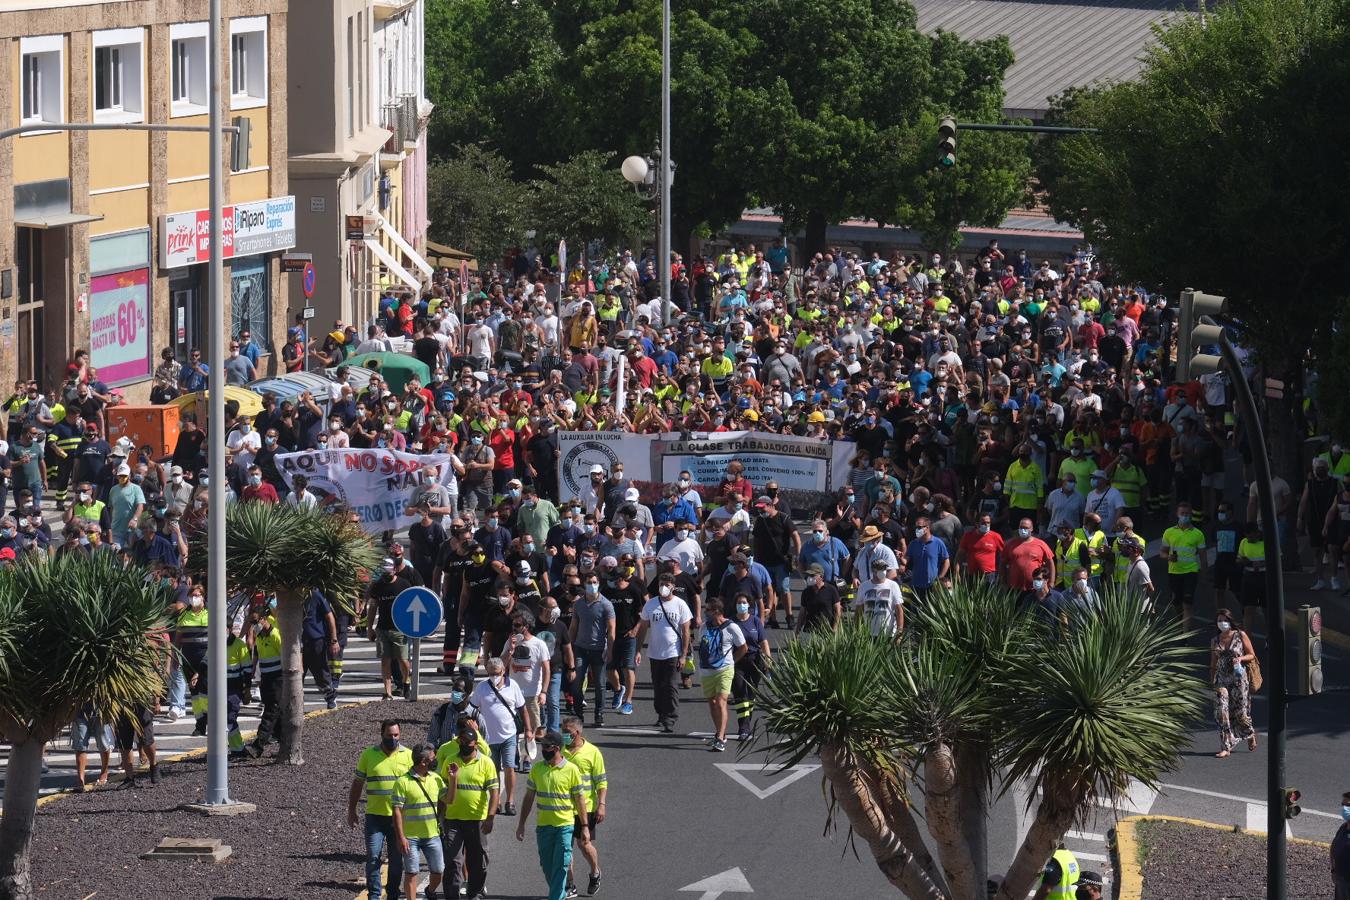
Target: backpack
[(710, 652)]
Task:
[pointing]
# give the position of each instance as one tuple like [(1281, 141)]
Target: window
[(117, 75), (351, 77), (248, 62), (188, 65), (41, 90)]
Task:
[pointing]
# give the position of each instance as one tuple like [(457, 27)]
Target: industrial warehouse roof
[(1057, 45)]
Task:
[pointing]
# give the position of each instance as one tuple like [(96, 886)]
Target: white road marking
[(1236, 798)]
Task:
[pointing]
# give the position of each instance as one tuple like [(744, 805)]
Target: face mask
[(1183, 520), (665, 590), (819, 536), (389, 744), (682, 533), (491, 523), (1069, 486), (919, 531), (255, 480), (456, 696), (1038, 584), (592, 590), (1024, 533), (504, 601), (1081, 585), (479, 558), (197, 601), (1077, 451), (1225, 626), (1223, 517), (84, 497), (1345, 813), (983, 528), (684, 482), (742, 609)]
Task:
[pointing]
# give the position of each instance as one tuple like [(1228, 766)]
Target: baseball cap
[(124, 469), (815, 569), (1090, 878), (597, 470), (630, 494)]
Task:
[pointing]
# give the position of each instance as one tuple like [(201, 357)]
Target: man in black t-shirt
[(427, 348), (452, 561), (619, 586), (390, 644), (822, 607)]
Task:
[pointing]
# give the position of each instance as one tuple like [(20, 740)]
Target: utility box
[(153, 426)]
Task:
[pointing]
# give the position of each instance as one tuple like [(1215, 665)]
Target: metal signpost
[(417, 613)]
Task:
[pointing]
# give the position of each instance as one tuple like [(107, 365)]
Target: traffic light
[(947, 142), (1195, 306), (239, 147), (1291, 807), (1309, 644)]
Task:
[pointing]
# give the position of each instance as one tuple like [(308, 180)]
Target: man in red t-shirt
[(502, 440), (1023, 555), (980, 548)]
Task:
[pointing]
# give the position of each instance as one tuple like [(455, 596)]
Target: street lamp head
[(635, 170)]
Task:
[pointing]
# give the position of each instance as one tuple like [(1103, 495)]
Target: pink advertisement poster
[(119, 326)]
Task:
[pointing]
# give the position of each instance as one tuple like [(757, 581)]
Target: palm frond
[(1106, 699), (88, 628)]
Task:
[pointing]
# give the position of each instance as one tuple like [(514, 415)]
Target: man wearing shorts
[(1183, 545), (419, 803), (89, 726), (720, 645), (496, 700), (390, 645), (138, 725)]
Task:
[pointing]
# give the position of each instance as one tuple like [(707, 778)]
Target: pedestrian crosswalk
[(361, 683)]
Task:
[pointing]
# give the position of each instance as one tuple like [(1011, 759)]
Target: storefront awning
[(55, 220), (388, 261), (407, 248)]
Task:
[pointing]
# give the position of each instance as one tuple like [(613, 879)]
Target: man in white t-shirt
[(721, 644), (495, 699), (881, 602), (528, 657), (244, 442), (667, 617), (683, 548)]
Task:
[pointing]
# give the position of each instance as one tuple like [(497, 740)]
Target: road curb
[(1129, 873)]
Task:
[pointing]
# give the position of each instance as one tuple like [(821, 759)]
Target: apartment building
[(358, 116), (103, 234)]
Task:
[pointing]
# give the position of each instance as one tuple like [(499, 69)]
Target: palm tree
[(278, 549), (80, 629), (982, 695)]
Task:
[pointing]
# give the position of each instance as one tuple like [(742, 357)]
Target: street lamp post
[(658, 172), (1208, 333)]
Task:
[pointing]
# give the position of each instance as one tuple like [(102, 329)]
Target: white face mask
[(197, 601), (1225, 626), (665, 590)]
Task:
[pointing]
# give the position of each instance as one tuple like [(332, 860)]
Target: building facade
[(358, 151), (103, 233)]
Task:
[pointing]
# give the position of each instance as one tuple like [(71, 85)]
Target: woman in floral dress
[(1230, 657)]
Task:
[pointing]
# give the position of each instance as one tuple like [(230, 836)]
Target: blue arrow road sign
[(417, 612)]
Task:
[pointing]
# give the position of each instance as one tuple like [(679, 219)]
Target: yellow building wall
[(248, 186), (118, 159), (188, 195), (121, 211), (188, 154), (40, 157)]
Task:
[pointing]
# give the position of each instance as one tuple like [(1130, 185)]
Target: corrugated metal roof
[(1056, 45)]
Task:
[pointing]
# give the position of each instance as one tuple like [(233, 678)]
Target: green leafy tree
[(587, 198), (476, 203), (968, 701), (854, 113), (1223, 167), (76, 630), (278, 549)]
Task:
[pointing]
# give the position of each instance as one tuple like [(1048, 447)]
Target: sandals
[(1222, 754), (1251, 743)]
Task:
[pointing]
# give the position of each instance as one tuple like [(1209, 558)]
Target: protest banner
[(377, 484), (803, 466)]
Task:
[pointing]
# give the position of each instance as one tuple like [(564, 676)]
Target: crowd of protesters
[(1011, 419)]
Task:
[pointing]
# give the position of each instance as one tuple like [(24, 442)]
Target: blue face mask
[(456, 697), (1345, 813)]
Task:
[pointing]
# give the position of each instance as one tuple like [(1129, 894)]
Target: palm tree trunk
[(867, 815), (973, 767), (291, 615), (943, 806), (1054, 815), (16, 827)]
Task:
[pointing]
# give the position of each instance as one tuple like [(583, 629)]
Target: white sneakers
[(1319, 585)]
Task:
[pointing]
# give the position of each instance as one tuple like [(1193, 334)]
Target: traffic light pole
[(1276, 844)]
